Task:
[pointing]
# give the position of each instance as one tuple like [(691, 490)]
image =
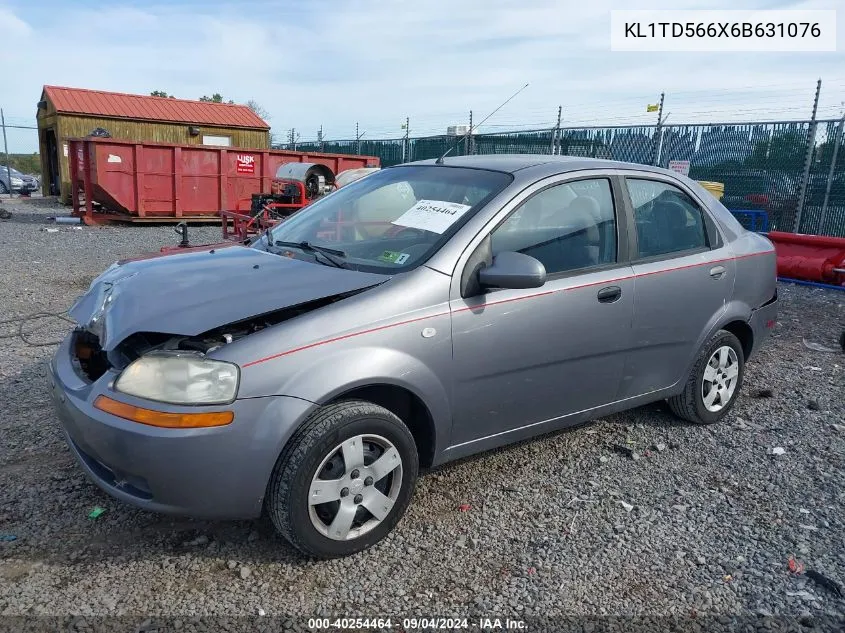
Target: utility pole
[(660, 139), (6, 151), (358, 139), (553, 147), (406, 144), (468, 135), (658, 130), (320, 138), (836, 140), (808, 160)]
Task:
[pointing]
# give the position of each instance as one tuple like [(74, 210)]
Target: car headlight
[(180, 378), (17, 181)]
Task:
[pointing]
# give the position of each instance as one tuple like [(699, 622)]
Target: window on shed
[(225, 141)]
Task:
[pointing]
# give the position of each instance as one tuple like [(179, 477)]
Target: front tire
[(714, 382), (344, 480)]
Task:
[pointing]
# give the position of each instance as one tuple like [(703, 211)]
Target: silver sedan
[(424, 313)]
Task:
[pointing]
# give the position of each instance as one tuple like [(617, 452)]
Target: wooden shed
[(65, 113)]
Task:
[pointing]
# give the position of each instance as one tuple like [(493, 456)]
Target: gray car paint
[(191, 293), (490, 369)]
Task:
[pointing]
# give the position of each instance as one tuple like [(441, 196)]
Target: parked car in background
[(20, 183), (421, 314)]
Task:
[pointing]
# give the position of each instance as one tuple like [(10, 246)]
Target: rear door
[(683, 278)]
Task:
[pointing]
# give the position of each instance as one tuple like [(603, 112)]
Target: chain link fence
[(761, 165), (792, 170), (824, 201)]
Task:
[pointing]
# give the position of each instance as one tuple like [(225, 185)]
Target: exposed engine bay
[(92, 361)]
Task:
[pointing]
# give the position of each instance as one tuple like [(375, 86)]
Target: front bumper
[(219, 472)]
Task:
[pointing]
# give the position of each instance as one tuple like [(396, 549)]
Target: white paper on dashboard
[(435, 216)]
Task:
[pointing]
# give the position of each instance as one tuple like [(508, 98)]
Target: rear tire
[(3, 188), (368, 459), (714, 382)]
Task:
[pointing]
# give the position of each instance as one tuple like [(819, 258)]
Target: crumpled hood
[(191, 293)]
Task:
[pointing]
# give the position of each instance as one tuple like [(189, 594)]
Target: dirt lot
[(698, 522)]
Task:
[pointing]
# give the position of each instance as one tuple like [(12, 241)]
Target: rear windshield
[(392, 220)]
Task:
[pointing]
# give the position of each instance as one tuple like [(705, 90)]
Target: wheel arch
[(742, 331), (733, 317), (404, 404), (398, 381)]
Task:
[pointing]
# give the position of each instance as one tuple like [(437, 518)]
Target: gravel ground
[(636, 515)]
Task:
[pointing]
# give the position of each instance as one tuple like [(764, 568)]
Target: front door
[(684, 278), (523, 357)]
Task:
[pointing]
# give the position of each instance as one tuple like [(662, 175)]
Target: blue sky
[(335, 62)]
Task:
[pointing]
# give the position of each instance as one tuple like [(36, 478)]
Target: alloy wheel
[(720, 378), (355, 487)]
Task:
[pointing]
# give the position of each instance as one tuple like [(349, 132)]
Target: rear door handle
[(717, 272), (609, 294)]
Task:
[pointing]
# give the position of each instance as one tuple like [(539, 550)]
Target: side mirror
[(513, 270)]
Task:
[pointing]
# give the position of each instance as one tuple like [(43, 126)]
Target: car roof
[(540, 163)]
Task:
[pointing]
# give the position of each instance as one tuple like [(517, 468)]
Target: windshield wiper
[(314, 248)]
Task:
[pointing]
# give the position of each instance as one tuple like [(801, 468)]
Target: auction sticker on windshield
[(435, 216)]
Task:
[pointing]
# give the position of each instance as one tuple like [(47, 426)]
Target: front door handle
[(609, 294), (717, 272)]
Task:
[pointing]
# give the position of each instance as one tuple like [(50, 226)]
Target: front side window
[(393, 219), (668, 220), (570, 226)]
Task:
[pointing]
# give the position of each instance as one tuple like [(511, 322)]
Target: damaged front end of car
[(92, 361), (191, 305)]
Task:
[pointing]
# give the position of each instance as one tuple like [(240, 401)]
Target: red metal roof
[(116, 104)]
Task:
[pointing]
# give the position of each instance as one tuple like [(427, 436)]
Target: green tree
[(161, 93), (781, 151), (26, 163), (215, 98)]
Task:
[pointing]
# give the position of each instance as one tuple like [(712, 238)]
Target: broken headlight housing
[(180, 378)]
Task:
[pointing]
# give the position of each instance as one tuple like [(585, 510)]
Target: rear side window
[(668, 221)]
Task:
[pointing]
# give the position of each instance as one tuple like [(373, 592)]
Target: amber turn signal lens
[(162, 419)]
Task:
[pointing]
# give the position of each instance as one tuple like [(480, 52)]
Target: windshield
[(392, 220)]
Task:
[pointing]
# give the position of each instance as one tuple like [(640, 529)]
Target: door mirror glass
[(513, 270)]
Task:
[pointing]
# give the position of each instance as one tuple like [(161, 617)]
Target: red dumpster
[(123, 180)]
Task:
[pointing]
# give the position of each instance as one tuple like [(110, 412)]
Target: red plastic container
[(123, 180)]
